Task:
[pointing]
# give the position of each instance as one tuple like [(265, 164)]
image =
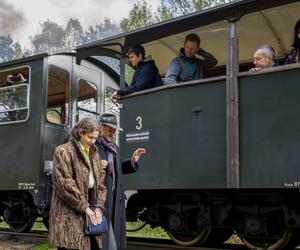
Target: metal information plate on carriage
[(137, 136)]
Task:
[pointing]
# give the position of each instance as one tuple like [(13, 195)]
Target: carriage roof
[(260, 22)]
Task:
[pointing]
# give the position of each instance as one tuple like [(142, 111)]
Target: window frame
[(78, 109), (69, 95), (28, 84)]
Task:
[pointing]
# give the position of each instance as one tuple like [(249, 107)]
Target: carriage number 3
[(139, 121)]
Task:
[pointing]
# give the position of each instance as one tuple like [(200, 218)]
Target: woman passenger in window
[(78, 189), (294, 55)]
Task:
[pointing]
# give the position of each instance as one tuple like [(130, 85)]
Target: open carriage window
[(114, 64), (87, 99), (14, 95), (58, 95)]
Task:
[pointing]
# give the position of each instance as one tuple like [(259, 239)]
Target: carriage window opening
[(114, 64), (58, 96), (87, 99), (14, 95), (109, 104)]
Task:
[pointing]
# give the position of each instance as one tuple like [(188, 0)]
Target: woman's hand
[(92, 215), (98, 213), (104, 164)]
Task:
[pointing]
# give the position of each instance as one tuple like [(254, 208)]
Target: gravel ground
[(10, 242)]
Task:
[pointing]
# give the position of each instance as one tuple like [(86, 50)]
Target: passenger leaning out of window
[(187, 67), (264, 57), (78, 189), (294, 55), (146, 74)]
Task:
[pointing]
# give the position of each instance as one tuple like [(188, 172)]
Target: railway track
[(32, 233), (160, 244), (12, 240), (134, 243)]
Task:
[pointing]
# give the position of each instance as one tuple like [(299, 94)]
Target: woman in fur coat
[(78, 189)]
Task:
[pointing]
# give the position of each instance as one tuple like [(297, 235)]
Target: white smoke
[(11, 20)]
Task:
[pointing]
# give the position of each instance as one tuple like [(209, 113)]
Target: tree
[(73, 35), (109, 29), (9, 49), (174, 8), (100, 31), (50, 40), (91, 34), (141, 15), (55, 38)]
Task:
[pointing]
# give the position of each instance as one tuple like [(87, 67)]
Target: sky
[(22, 18)]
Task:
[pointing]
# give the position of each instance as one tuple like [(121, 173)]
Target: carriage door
[(58, 103)]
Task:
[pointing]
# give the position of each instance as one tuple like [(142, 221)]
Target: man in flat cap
[(115, 202)]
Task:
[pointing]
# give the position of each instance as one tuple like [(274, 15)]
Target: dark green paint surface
[(270, 129), (187, 149)]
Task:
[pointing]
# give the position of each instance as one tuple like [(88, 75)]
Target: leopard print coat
[(70, 195)]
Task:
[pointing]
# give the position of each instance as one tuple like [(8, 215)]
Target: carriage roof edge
[(231, 11)]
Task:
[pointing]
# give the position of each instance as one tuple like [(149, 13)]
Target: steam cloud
[(11, 20)]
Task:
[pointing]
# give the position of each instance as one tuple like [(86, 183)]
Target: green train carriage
[(222, 151), (35, 117)]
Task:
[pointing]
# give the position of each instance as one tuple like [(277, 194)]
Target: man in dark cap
[(115, 203)]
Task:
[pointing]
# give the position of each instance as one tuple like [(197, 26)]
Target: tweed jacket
[(70, 195)]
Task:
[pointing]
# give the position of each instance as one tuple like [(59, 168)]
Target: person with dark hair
[(115, 239), (187, 67), (264, 57), (146, 75), (78, 189), (294, 55)]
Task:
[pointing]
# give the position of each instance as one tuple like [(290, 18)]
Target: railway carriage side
[(36, 115), (21, 135), (221, 151)]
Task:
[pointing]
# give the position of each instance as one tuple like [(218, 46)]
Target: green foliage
[(174, 8), (141, 15), (44, 246), (9, 49)]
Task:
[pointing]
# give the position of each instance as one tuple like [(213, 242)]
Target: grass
[(44, 246), (145, 232), (159, 233)]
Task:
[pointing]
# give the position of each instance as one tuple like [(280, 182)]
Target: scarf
[(111, 154)]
